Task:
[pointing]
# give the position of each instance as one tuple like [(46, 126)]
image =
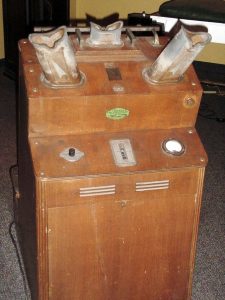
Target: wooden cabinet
[(93, 228), (20, 17), (130, 245), (105, 233)]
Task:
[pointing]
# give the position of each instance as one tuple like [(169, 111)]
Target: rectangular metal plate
[(122, 152)]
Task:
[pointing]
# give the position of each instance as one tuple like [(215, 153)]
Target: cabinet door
[(116, 247)]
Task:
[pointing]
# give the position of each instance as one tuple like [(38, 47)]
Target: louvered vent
[(152, 185), (97, 191)]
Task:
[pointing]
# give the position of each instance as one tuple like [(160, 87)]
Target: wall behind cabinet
[(102, 8), (212, 53)]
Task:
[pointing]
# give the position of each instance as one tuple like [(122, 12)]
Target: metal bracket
[(71, 154), (79, 37), (155, 41), (130, 35)]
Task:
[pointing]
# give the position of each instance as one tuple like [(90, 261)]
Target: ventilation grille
[(111, 189), (97, 191), (152, 185)]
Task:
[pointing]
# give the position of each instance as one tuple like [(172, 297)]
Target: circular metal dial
[(173, 146)]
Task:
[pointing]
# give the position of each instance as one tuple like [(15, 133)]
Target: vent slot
[(152, 185), (97, 191)]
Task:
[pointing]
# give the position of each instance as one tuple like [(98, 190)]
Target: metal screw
[(123, 203), (202, 159), (190, 131), (35, 90), (118, 88), (31, 70), (189, 102)]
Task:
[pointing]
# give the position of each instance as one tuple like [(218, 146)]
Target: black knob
[(71, 152)]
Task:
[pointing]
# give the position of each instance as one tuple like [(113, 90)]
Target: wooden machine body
[(83, 109), (92, 229)]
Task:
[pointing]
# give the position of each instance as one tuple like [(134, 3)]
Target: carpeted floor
[(11, 283), (209, 275)]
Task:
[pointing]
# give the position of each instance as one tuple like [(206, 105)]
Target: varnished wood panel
[(159, 227), (105, 251), (66, 192), (26, 212), (83, 109), (131, 243), (98, 158), (134, 246), (63, 116)]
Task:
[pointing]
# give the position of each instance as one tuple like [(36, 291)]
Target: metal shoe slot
[(152, 185), (98, 191)]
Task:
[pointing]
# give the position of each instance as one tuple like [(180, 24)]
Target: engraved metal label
[(122, 153)]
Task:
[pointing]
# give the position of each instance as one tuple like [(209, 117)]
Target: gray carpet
[(209, 275), (11, 283)]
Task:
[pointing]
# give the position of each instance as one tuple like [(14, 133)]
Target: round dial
[(173, 146)]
